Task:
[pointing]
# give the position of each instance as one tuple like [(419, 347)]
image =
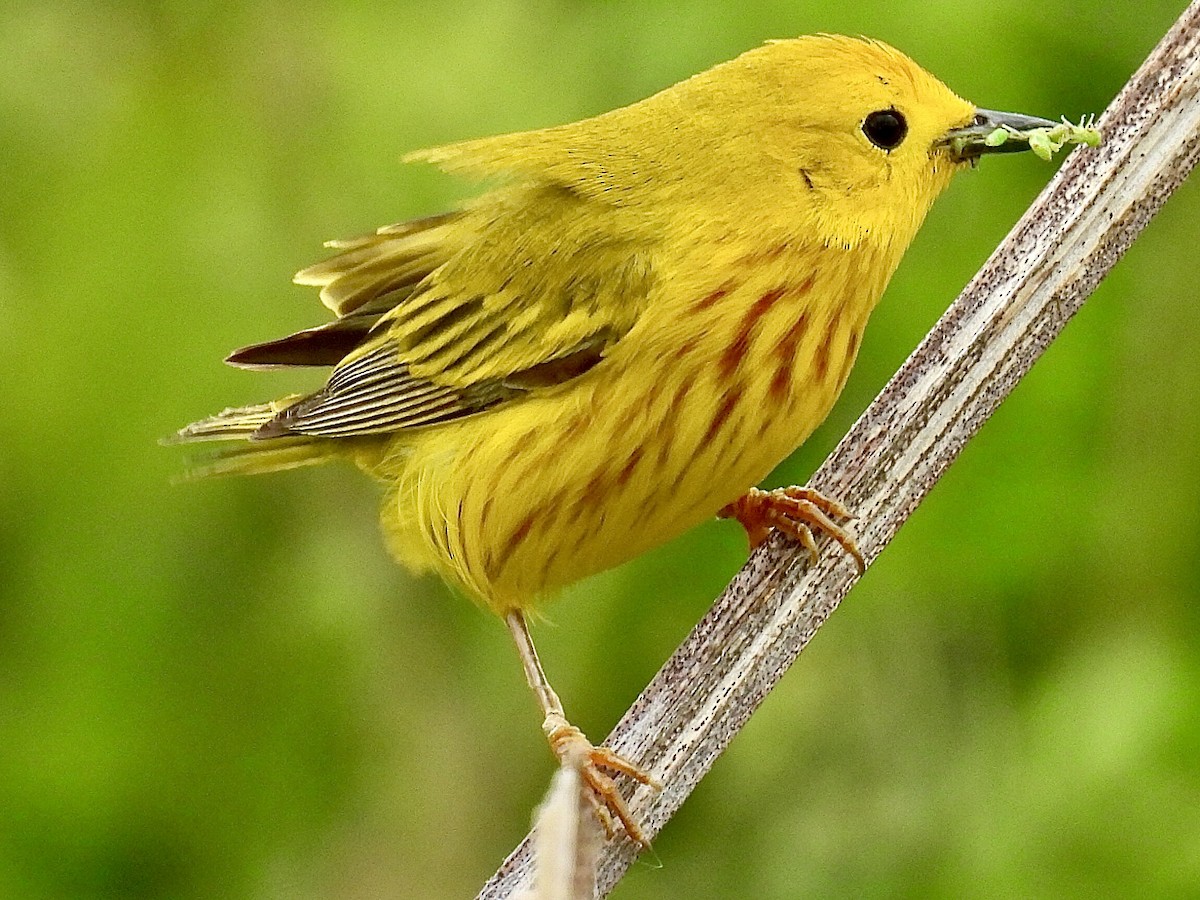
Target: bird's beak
[(971, 141)]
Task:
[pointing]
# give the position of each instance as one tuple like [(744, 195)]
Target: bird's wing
[(522, 291), (369, 277)]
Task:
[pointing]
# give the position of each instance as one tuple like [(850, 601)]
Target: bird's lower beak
[(980, 136)]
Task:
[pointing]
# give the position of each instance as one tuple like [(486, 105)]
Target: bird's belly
[(520, 501)]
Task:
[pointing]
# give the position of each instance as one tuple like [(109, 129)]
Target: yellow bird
[(655, 308)]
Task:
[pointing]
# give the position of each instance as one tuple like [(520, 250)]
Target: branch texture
[(1034, 282)]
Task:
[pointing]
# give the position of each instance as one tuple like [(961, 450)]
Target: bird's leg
[(797, 512), (571, 746)]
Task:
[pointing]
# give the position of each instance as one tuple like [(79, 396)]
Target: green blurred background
[(226, 689)]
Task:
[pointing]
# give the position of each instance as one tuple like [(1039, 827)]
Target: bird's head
[(828, 138), (844, 136)]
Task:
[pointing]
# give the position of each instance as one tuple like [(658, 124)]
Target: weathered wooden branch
[(985, 343)]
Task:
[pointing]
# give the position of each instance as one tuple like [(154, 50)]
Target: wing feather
[(371, 394), (516, 294), (395, 257)]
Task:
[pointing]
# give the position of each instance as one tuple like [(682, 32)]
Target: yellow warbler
[(655, 308)]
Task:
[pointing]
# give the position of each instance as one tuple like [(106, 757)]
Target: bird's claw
[(797, 512), (573, 749)]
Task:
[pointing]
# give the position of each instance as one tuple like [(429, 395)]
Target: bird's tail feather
[(235, 423), (252, 457), (256, 459)]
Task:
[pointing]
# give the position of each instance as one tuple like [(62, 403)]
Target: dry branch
[(985, 343)]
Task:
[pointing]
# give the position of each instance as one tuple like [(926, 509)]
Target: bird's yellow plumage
[(655, 308)]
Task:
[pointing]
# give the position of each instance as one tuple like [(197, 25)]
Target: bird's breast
[(769, 356), (734, 374)]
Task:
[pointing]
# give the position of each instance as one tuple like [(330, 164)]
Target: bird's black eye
[(885, 128)]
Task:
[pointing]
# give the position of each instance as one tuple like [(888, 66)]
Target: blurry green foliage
[(226, 689)]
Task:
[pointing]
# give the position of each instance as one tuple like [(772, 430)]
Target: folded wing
[(452, 315)]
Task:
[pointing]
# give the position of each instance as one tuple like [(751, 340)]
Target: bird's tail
[(252, 456)]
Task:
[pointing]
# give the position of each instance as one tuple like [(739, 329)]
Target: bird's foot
[(573, 749), (797, 512)]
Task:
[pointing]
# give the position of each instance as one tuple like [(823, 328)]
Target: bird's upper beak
[(969, 142)]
